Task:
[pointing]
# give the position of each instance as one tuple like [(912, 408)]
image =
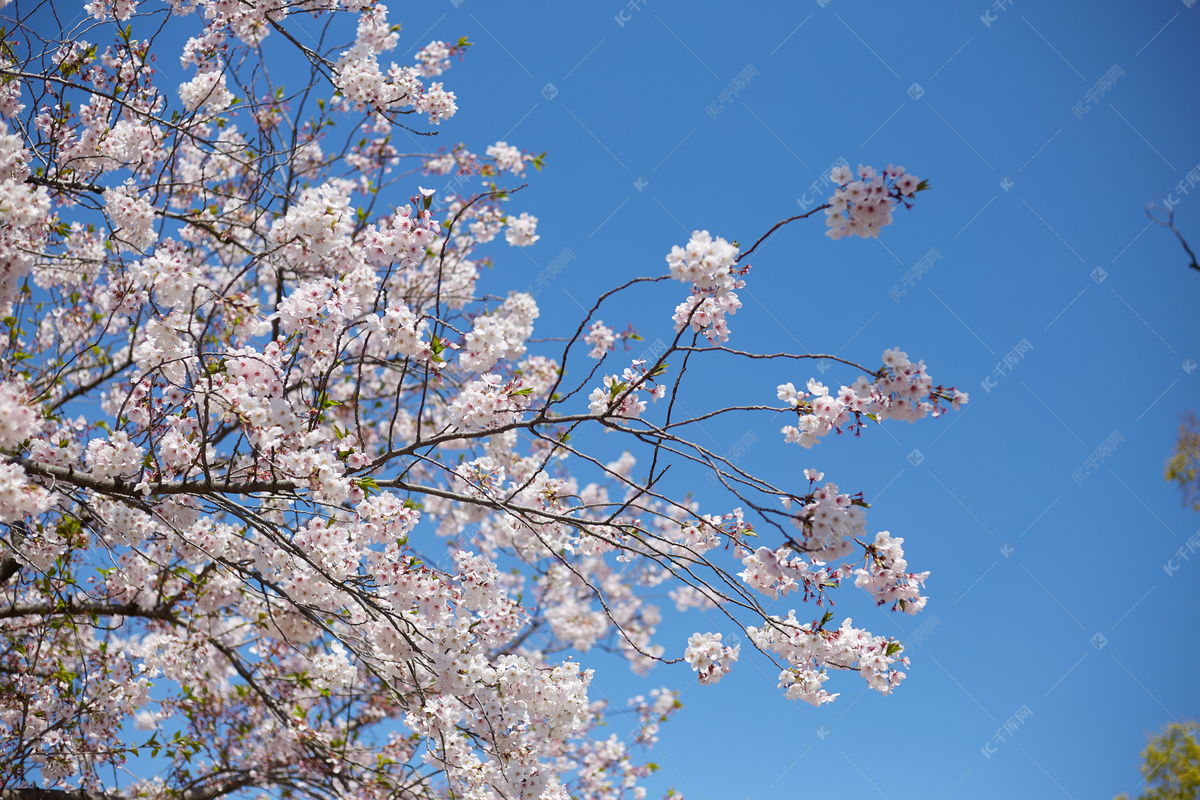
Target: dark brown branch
[(1169, 222), (74, 186), (779, 225), (73, 609)]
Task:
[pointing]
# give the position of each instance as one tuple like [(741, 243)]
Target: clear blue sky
[(1107, 357)]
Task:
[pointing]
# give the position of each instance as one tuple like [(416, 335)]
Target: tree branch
[(39, 793)]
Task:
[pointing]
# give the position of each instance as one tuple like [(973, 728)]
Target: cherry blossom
[(601, 338), (862, 207), (709, 657), (292, 497)]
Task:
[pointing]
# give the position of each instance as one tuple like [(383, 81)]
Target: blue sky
[(1062, 604), (1049, 595)]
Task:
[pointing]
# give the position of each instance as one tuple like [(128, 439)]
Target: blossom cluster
[(521, 231), (707, 314), (710, 266), (780, 571), (621, 394), (364, 84), (810, 651), (901, 390), (403, 237), (508, 157), (207, 91), (132, 217), (25, 210), (886, 577), (500, 335), (709, 658), (830, 520), (18, 419), (861, 207), (705, 262), (601, 338), (488, 402)]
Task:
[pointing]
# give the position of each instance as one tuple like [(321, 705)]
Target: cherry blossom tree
[(250, 388)]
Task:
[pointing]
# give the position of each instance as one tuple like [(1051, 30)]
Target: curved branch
[(779, 225)]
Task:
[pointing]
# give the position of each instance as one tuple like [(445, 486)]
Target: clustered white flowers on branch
[(292, 501)]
